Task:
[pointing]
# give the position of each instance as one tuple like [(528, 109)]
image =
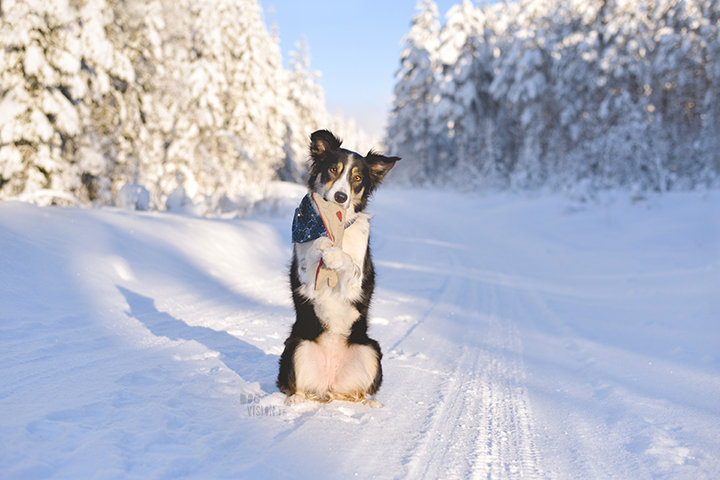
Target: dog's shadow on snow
[(248, 361)]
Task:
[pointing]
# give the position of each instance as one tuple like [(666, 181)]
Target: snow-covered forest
[(152, 103), (553, 93), (187, 105)]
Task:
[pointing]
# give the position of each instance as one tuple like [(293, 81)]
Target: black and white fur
[(328, 355)]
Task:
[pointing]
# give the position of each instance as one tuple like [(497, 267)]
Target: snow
[(533, 337), (34, 60), (133, 197)]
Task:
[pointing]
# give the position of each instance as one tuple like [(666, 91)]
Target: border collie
[(328, 355)]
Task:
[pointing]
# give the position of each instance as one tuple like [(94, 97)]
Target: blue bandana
[(307, 224)]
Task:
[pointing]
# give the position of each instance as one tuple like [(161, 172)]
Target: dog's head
[(342, 176)]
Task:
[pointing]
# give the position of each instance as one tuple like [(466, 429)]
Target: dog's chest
[(355, 241), (334, 306)]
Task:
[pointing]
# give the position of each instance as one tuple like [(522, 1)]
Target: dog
[(328, 355)]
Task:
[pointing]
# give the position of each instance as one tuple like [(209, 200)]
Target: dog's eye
[(357, 178), (333, 170)]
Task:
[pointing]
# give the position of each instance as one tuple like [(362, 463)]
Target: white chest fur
[(334, 305)]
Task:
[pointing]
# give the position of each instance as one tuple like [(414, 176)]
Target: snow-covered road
[(523, 338)]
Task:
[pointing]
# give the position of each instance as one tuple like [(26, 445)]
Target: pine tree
[(461, 89), (223, 87), (409, 127), (143, 122), (55, 60), (307, 113), (523, 82)]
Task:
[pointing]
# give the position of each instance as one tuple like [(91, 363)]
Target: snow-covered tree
[(462, 96), (409, 126), (307, 113), (56, 64), (125, 121), (228, 129)]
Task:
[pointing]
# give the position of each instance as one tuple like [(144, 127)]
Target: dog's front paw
[(293, 399), (319, 246), (335, 259)]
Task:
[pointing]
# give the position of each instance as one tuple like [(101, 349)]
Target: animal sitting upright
[(328, 355)]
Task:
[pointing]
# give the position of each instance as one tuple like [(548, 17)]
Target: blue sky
[(356, 46)]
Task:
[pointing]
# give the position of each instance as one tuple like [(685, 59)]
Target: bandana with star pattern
[(307, 224)]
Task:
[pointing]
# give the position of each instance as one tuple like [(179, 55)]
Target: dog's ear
[(322, 142), (379, 165)]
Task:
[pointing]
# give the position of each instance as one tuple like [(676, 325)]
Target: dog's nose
[(340, 197)]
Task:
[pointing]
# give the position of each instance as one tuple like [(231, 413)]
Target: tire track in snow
[(509, 451), (482, 427)]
